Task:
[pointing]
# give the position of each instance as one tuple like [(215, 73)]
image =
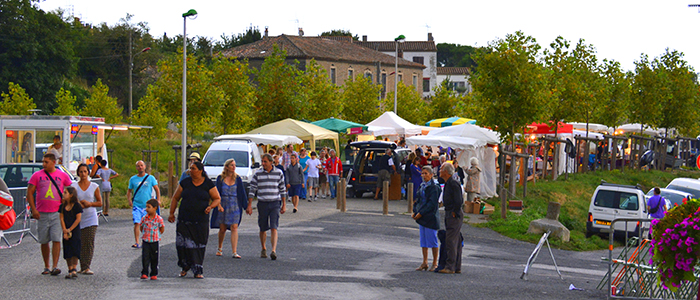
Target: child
[(70, 213), (107, 175), (313, 165), (152, 227)]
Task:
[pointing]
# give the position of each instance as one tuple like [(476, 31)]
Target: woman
[(89, 197), (322, 178), (199, 197), (407, 172), (416, 176), (107, 175), (425, 212), (459, 173), (472, 186), (303, 158), (233, 200)]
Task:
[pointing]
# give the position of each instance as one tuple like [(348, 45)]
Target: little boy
[(152, 227)]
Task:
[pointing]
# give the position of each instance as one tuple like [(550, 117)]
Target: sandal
[(135, 246), (46, 271), (198, 276), (55, 271), (219, 252), (235, 255), (182, 274)]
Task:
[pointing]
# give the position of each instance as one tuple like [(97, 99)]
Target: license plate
[(599, 222)]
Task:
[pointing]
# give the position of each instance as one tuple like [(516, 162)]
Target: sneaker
[(294, 210), (154, 277), (144, 276), (309, 200), (263, 253), (273, 255)]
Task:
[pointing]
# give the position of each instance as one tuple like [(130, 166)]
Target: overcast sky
[(619, 29)]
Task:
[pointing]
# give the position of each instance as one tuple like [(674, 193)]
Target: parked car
[(673, 197), (688, 185), (614, 201), (17, 175), (362, 177), (245, 152)]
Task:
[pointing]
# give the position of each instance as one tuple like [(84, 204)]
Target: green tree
[(587, 88), (232, 77), (562, 81), (278, 90), (510, 85), (680, 107), (66, 104), (410, 104), (647, 94), (443, 103), (16, 101), (251, 34), (321, 97), (360, 100), (100, 104), (613, 112), (150, 113), (340, 32), (455, 55)]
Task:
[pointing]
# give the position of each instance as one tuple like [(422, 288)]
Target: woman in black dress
[(199, 197)]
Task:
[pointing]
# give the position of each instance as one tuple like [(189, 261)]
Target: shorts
[(383, 175), (312, 182), (428, 237), (268, 215), (138, 213), (294, 190), (49, 228), (322, 178)]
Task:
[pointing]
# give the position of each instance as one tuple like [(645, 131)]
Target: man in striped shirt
[(268, 185)]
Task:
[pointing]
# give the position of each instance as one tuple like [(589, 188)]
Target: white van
[(616, 201), (688, 185), (245, 152)]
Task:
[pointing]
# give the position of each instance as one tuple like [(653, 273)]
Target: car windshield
[(694, 192), (614, 199), (219, 157)]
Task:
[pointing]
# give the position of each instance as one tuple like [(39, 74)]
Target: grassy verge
[(574, 195)]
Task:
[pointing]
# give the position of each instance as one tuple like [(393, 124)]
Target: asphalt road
[(323, 254)]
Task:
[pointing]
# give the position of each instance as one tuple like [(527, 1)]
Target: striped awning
[(444, 122)]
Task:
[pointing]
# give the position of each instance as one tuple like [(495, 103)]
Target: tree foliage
[(278, 90), (340, 32), (16, 101), (239, 95), (647, 93), (410, 104), (320, 97), (100, 104), (455, 55), (361, 101), (66, 104), (679, 110), (615, 105), (443, 102), (150, 113)]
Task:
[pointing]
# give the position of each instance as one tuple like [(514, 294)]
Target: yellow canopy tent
[(305, 131)]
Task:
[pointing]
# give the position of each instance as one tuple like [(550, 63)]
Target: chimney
[(301, 31), (265, 31), (430, 36), (364, 38)]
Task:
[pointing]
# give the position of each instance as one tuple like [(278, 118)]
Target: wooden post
[(555, 161), (171, 184), (337, 195), (526, 162), (385, 198), (343, 194), (409, 197), (512, 182), (546, 157)]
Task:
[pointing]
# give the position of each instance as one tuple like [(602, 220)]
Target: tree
[(100, 104), (410, 104), (510, 85), (587, 87), (647, 94), (232, 77), (679, 110), (360, 100), (250, 35), (150, 113), (278, 89), (443, 103), (562, 81), (617, 92), (66, 104), (321, 97), (340, 32), (16, 101), (455, 55)]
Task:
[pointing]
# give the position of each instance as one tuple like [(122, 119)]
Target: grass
[(574, 195)]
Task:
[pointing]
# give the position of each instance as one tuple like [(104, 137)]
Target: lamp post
[(190, 13), (397, 40), (131, 71)]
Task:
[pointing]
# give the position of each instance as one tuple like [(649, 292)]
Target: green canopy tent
[(340, 126)]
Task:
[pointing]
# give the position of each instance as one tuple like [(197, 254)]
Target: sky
[(620, 30)]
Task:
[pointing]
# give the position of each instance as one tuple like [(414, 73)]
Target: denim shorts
[(294, 190), (269, 215), (138, 213)]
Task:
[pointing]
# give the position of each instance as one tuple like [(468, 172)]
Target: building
[(342, 59), (457, 76), (421, 52)]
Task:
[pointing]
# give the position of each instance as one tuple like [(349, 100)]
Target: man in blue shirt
[(141, 187), (656, 205)]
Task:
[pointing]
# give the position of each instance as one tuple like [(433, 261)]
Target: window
[(415, 80), (418, 59), (426, 85), (368, 74), (351, 74), (332, 74)]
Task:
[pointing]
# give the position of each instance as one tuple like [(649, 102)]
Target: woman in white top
[(89, 198)]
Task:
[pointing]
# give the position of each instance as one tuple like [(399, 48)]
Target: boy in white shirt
[(313, 165)]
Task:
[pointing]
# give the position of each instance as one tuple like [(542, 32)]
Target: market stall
[(305, 131)]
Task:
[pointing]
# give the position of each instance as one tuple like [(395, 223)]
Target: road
[(323, 254)]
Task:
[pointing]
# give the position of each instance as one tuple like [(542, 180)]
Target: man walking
[(141, 187), (295, 181), (335, 169), (287, 157), (268, 185), (656, 205), (452, 199), (48, 185), (386, 168)]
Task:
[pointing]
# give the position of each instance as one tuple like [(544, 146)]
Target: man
[(656, 205), (303, 158), (295, 181), (56, 149), (141, 187), (48, 185), (452, 199), (287, 156), (268, 185), (335, 169), (386, 168), (193, 157)]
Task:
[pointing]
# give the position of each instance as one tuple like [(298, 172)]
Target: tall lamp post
[(131, 71), (397, 40), (193, 14)]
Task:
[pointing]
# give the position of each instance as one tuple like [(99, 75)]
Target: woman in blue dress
[(233, 201), (425, 212)]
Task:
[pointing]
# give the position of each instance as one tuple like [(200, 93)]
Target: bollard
[(385, 198), (171, 183), (409, 197), (337, 195), (343, 202)]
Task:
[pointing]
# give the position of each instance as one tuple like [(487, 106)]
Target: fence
[(630, 275), (24, 221)]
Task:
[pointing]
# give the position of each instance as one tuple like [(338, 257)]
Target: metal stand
[(26, 229), (536, 252)]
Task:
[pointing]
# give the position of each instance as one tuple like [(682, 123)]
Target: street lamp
[(192, 14), (131, 70), (397, 40)]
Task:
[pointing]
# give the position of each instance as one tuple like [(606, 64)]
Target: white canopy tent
[(469, 131), (391, 124), (259, 138), (637, 128), (591, 126), (466, 149), (590, 134)]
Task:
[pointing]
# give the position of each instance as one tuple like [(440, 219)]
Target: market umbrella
[(340, 126), (444, 122)]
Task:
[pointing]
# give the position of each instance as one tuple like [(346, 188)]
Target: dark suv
[(362, 176)]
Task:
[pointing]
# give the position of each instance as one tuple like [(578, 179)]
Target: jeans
[(303, 190), (333, 181)]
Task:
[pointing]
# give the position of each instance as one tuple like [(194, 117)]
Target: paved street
[(323, 254)]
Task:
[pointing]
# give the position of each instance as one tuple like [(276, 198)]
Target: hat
[(195, 155), (6, 199)]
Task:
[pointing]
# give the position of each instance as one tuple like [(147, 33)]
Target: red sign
[(355, 130), (697, 162)]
